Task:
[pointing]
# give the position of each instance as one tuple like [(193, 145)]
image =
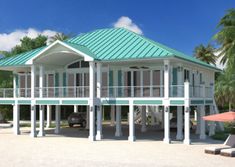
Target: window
[(79, 64), (84, 64), (74, 65)]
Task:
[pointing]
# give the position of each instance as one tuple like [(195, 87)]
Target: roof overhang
[(68, 50)]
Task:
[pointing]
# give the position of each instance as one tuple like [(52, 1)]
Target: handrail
[(109, 91)]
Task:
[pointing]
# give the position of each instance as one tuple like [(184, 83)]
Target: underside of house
[(111, 67)]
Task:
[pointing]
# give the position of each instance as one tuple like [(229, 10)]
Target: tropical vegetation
[(225, 84), (205, 53)]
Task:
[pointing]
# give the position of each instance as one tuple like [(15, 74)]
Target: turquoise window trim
[(73, 102), (118, 102), (47, 102), (145, 102)]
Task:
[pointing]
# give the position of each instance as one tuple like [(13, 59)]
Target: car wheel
[(70, 125)]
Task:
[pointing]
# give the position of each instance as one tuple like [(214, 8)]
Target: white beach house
[(113, 67)]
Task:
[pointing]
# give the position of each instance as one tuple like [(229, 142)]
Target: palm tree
[(225, 90), (205, 53), (59, 36), (226, 38)]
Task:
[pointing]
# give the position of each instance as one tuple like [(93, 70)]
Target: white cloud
[(127, 23), (9, 40)]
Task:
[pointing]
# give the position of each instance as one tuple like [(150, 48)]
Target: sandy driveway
[(70, 151)]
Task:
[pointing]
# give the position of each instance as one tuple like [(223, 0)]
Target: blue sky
[(181, 24)]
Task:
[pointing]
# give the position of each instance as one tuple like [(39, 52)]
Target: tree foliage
[(59, 36), (226, 38), (225, 84), (26, 44), (205, 53)]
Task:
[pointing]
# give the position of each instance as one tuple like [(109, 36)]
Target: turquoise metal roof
[(20, 59), (118, 44), (114, 44)]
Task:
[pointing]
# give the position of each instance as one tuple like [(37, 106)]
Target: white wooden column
[(118, 132), (33, 107), (75, 109), (212, 111), (41, 73), (91, 101), (15, 85), (41, 107), (41, 119), (198, 120), (33, 121), (48, 116), (16, 109), (186, 114), (166, 105), (112, 115), (99, 134), (166, 124), (202, 123), (16, 119), (179, 135), (87, 117), (212, 124), (143, 119), (166, 79), (131, 122), (57, 119), (202, 114)]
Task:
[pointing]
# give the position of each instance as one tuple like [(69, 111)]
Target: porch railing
[(176, 91), (133, 91), (69, 91), (196, 91), (110, 91), (6, 92)]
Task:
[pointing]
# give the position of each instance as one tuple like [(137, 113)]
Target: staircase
[(137, 115)]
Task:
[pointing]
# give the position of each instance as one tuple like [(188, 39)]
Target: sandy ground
[(72, 148)]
